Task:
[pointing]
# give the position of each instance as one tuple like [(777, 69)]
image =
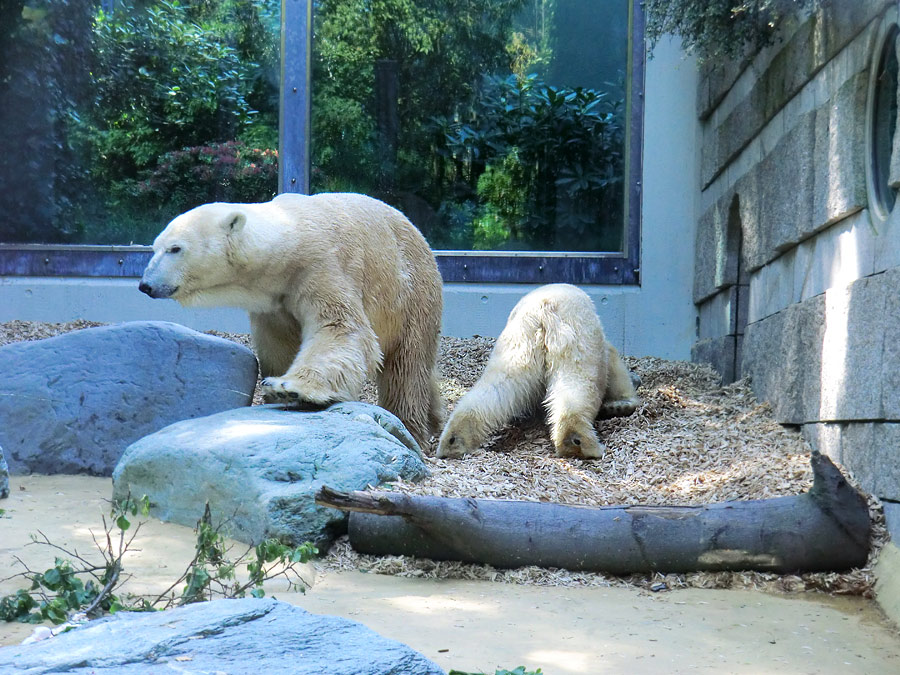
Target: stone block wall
[(797, 277)]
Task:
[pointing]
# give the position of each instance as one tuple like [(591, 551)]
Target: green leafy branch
[(716, 29), (212, 573), (61, 590), (76, 584)]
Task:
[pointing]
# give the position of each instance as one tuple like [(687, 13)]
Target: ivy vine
[(715, 29)]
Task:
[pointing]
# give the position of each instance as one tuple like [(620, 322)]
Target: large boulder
[(260, 468), (222, 636), (74, 402)]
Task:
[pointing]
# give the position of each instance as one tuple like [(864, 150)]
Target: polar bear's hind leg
[(620, 399)]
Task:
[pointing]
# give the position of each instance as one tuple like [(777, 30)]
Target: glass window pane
[(493, 124), (117, 116)]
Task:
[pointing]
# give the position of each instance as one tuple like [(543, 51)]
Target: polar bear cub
[(552, 349), (339, 287)]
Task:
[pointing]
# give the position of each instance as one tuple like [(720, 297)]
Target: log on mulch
[(825, 529)]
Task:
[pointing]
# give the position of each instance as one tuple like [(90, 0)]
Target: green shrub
[(546, 164), (162, 81), (219, 172)]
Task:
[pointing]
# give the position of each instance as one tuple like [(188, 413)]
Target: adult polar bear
[(552, 348), (339, 287)]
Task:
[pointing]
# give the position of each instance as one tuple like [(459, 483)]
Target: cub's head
[(464, 433), (194, 253)]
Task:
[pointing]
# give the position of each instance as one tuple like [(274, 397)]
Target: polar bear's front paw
[(286, 390)]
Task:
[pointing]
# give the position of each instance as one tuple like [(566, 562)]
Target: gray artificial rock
[(892, 519), (223, 636), (825, 437), (806, 357), (869, 450), (769, 346), (4, 476), (859, 453), (260, 468), (747, 188), (707, 264), (718, 314), (74, 402), (718, 247)]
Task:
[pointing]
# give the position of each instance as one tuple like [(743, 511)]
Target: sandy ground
[(479, 625)]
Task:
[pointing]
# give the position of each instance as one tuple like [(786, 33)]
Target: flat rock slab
[(260, 468), (225, 636), (74, 402)]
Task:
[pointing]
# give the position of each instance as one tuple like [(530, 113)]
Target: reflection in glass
[(493, 124), (115, 120)]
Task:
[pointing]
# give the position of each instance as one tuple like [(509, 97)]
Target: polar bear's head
[(464, 433), (194, 254)]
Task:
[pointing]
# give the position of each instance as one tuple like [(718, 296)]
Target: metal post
[(294, 116)]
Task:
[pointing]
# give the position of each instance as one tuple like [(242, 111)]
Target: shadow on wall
[(723, 315)]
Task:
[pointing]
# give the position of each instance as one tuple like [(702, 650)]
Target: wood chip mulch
[(691, 442)]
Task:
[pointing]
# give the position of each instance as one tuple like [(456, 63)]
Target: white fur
[(552, 349), (338, 287)]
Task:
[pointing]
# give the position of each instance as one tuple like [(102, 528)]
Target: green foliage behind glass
[(162, 82), (441, 48), (45, 61), (545, 165), (97, 100)]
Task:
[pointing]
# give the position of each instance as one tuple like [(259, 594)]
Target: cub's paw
[(618, 408), (286, 390)]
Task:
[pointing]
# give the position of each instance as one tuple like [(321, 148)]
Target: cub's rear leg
[(620, 399), (572, 402)]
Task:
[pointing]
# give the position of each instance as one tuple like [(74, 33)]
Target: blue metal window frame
[(616, 268)]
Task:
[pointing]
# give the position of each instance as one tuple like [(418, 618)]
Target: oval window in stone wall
[(883, 165)]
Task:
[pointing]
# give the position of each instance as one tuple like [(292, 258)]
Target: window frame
[(607, 268)]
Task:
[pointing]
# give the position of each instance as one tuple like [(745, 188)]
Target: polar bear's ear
[(234, 222)]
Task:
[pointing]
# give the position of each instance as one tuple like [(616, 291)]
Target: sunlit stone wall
[(797, 271)]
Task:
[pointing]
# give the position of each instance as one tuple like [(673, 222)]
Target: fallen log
[(826, 528)]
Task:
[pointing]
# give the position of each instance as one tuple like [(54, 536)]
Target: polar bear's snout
[(158, 290), (158, 277)]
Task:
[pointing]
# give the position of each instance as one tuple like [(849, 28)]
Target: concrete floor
[(479, 626)]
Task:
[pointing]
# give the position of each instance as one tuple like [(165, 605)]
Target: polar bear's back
[(561, 302), (354, 223), (557, 320), (380, 250)]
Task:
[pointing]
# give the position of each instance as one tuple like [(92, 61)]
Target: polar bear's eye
[(174, 249), (452, 440)]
